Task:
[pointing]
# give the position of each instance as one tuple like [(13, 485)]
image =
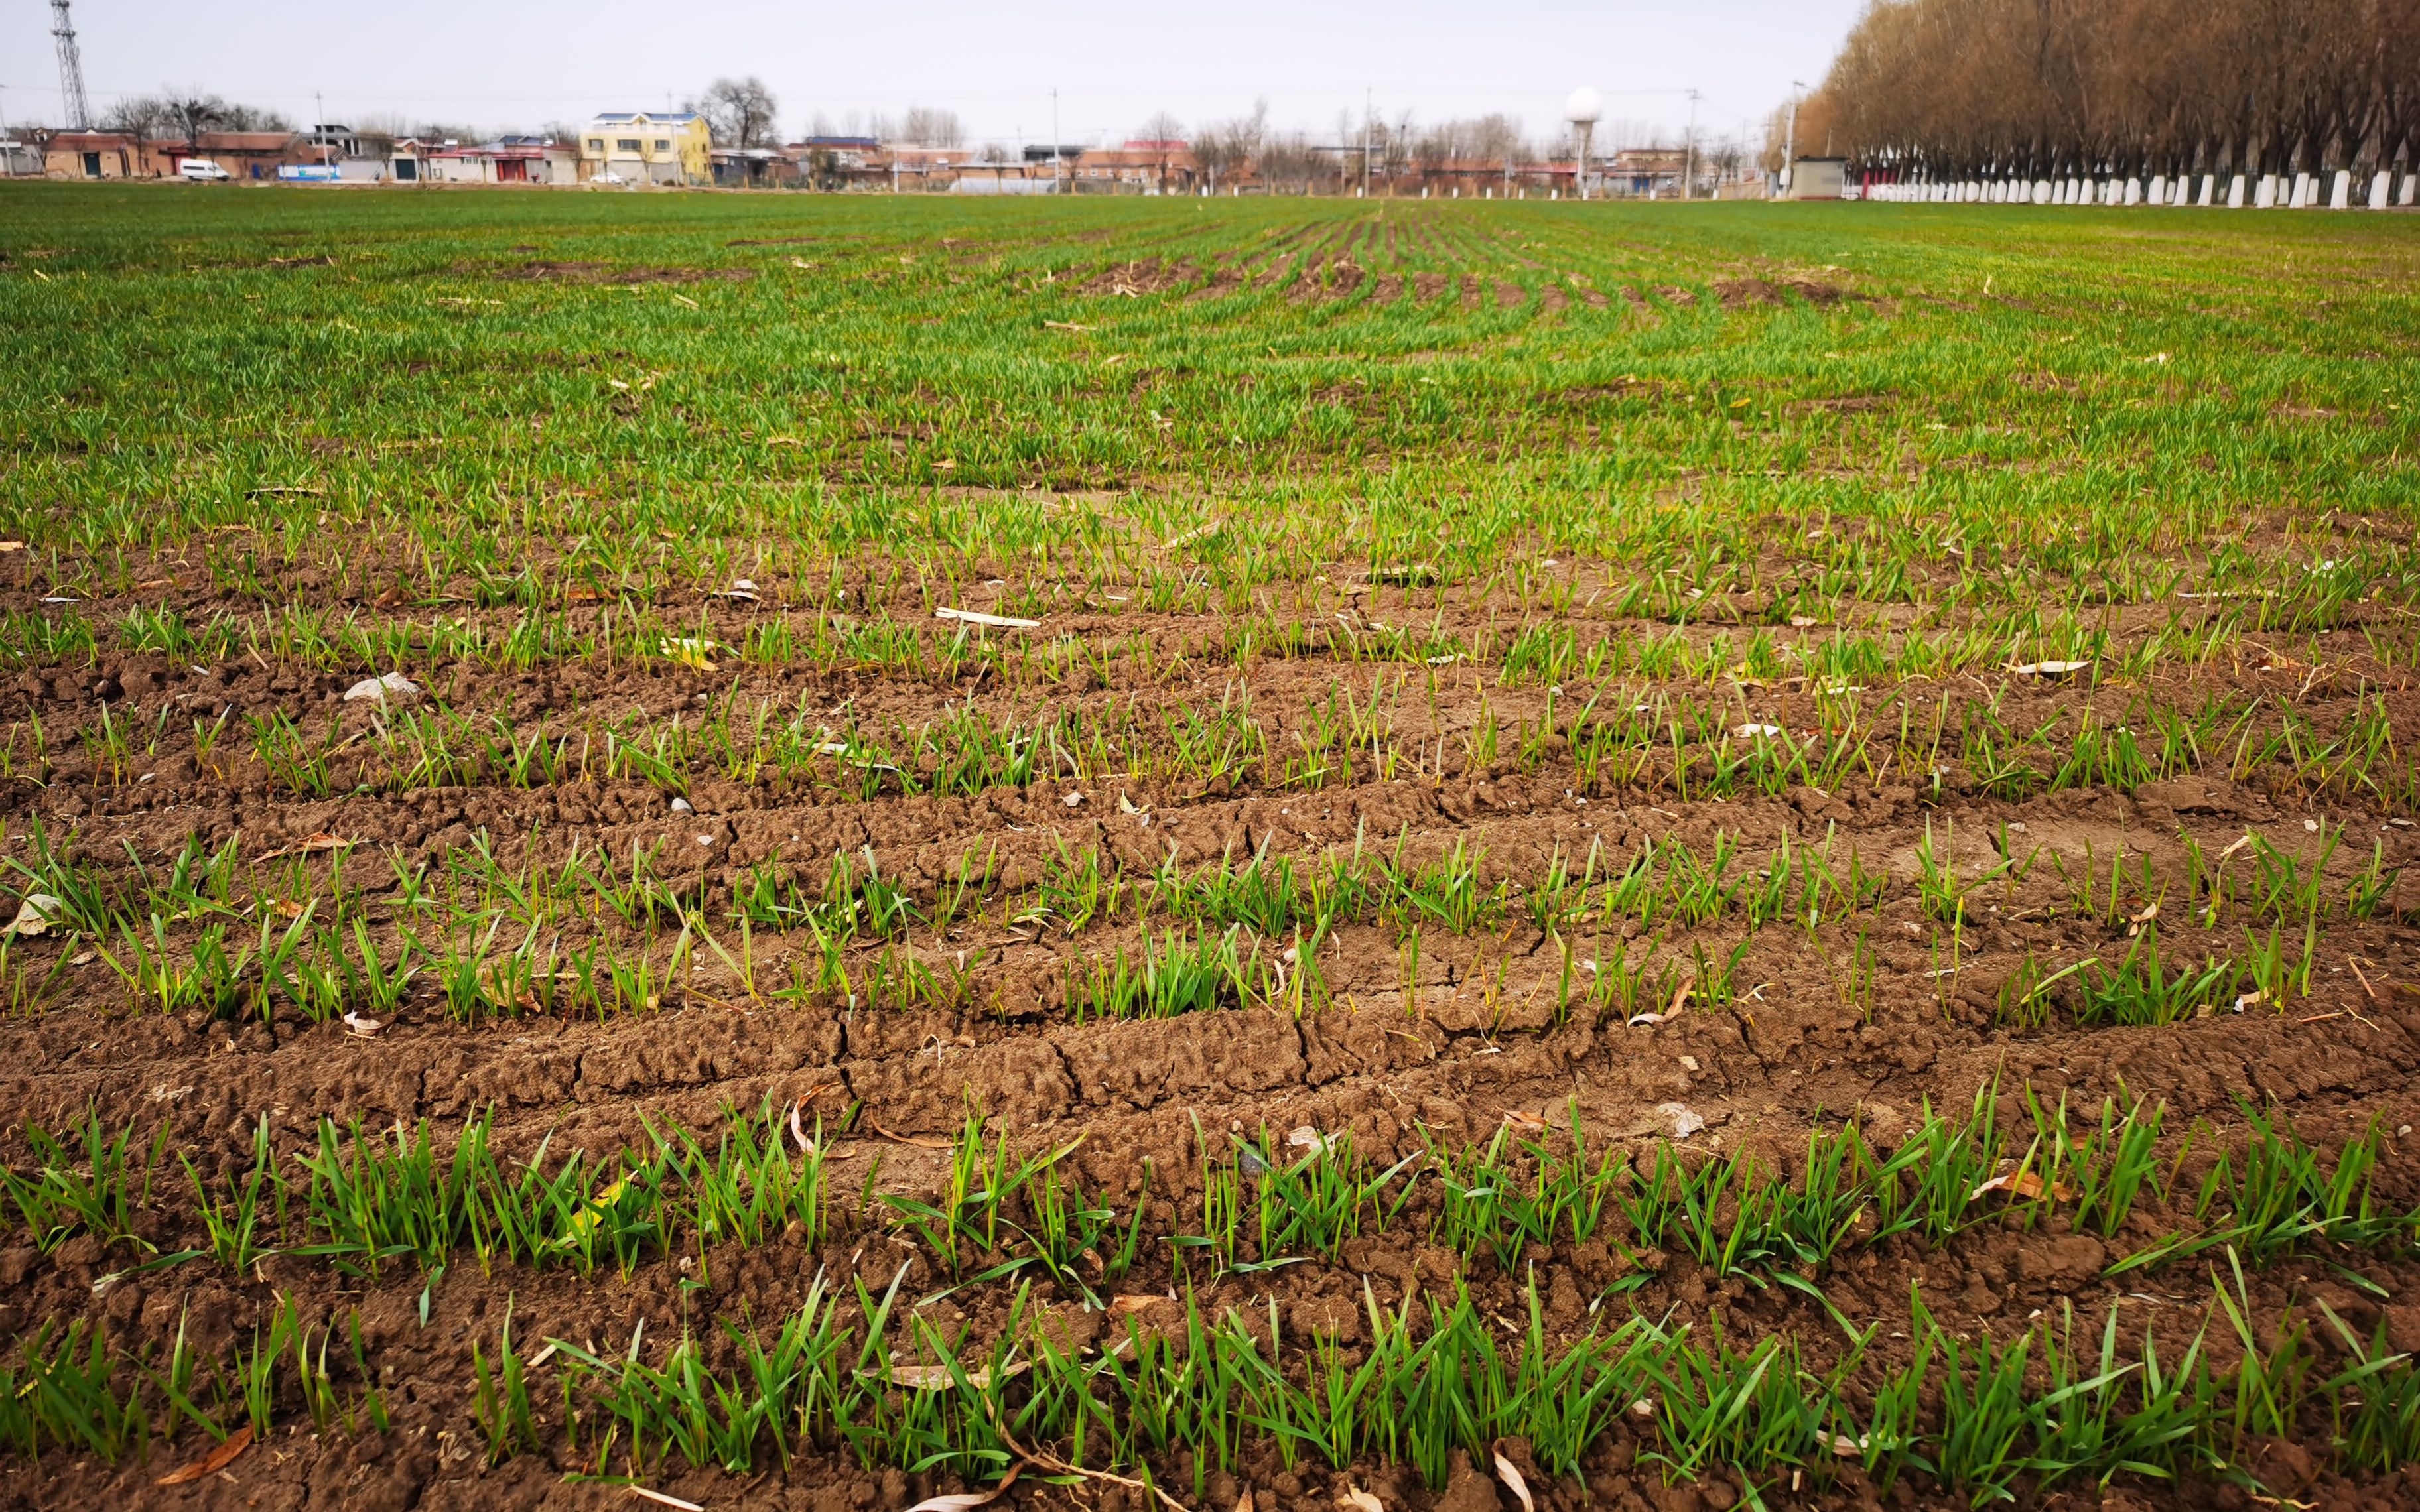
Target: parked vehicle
[(202, 171)]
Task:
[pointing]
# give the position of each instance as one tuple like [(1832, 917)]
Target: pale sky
[(517, 65)]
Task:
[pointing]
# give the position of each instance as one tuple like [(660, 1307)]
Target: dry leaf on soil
[(37, 914), (920, 1141), (211, 1463), (393, 686), (1001, 621), (307, 845), (961, 1501), (938, 1377), (2025, 1185), (1511, 1475)]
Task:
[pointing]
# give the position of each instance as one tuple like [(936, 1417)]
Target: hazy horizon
[(494, 69)]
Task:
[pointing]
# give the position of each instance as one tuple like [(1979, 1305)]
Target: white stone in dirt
[(682, 805), (1683, 1121), (393, 685)]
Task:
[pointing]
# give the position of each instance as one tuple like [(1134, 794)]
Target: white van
[(201, 171)]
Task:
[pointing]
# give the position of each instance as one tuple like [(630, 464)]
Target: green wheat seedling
[(94, 1181)]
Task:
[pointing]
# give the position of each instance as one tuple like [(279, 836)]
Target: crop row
[(1978, 1416), (587, 932), (1973, 623), (1625, 738), (363, 1201), (1983, 1418)]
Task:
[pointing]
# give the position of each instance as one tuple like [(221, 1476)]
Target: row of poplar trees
[(2031, 89)]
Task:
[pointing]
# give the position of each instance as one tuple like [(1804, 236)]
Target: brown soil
[(1740, 293), (1443, 1047), (1147, 275), (596, 272)]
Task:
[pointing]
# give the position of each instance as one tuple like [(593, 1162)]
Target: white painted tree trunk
[(2379, 183), (2235, 192), (2266, 196), (2410, 187), (2340, 193), (2042, 191), (2159, 189)]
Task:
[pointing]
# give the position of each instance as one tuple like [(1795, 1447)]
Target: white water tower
[(1583, 109)]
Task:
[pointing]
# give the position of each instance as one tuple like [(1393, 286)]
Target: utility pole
[(1689, 148), (1365, 140), (72, 101), (1055, 187), (1790, 137)]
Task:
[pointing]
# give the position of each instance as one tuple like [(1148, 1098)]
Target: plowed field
[(812, 852)]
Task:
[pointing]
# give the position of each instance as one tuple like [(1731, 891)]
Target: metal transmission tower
[(72, 95)]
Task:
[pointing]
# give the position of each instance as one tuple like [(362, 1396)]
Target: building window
[(596, 144), (663, 144), (627, 144)]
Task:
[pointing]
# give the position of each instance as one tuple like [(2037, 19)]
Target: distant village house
[(507, 160), (646, 147)]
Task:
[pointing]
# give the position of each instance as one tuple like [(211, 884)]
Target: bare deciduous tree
[(1288, 162), (739, 112), (184, 114), (1166, 135), (190, 113), (929, 127), (1226, 149), (144, 117), (2033, 89)]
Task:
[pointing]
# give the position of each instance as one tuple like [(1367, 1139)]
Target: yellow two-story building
[(640, 146)]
